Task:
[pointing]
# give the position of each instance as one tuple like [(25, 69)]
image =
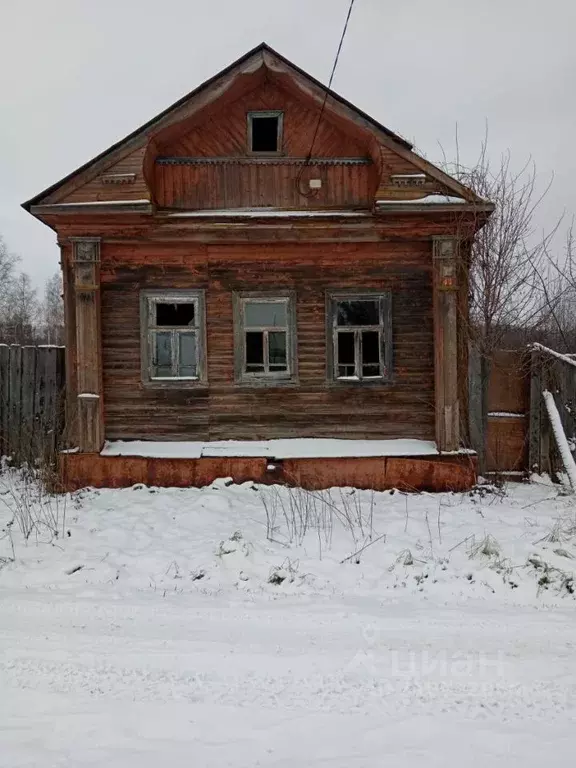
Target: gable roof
[(403, 146)]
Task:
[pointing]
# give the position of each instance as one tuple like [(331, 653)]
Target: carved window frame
[(148, 300), (384, 329), (280, 131), (267, 377)]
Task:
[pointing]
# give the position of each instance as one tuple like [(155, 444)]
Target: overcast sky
[(77, 75)]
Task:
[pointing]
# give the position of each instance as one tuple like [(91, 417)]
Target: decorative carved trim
[(118, 178), (408, 179), (86, 249), (263, 161)]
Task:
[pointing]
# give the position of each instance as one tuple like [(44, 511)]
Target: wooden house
[(264, 282)]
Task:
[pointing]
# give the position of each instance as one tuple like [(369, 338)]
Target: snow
[(152, 634), (89, 396), (565, 358), (560, 437), (274, 449), (264, 212), (142, 201), (428, 199), (506, 415)]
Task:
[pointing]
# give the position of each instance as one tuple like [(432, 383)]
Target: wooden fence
[(518, 434), (31, 399), (555, 373)]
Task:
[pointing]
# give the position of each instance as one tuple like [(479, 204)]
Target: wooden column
[(90, 421), (70, 415), (445, 287)]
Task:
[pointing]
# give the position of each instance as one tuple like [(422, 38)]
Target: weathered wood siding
[(224, 134), (233, 185), (224, 409)]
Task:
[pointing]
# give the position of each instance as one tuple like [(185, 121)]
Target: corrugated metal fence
[(31, 400)]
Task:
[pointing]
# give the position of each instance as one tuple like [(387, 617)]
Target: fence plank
[(31, 391), (15, 398), (535, 429), (4, 397), (28, 436)]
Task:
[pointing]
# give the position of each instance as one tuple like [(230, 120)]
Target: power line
[(326, 94)]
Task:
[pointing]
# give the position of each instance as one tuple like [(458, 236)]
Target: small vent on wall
[(408, 179), (118, 178)]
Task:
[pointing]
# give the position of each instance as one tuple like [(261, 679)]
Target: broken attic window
[(265, 131)]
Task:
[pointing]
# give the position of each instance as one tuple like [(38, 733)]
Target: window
[(360, 331), (173, 337), (265, 132), (265, 338)]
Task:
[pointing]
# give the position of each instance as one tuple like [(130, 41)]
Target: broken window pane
[(187, 350), (175, 315), (358, 312), (264, 133), (267, 314), (346, 356), (254, 351), (277, 350), (162, 362)]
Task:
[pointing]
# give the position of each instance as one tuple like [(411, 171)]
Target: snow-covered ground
[(219, 627)]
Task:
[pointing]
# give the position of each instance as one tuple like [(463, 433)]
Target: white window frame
[(270, 377), (280, 130), (384, 329), (148, 301)]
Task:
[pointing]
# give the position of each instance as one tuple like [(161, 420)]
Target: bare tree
[(7, 266), (22, 312), (509, 269), (52, 311)]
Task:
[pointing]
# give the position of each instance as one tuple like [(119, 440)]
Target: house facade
[(262, 261)]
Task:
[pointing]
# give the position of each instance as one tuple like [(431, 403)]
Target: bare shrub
[(34, 509), (293, 512)]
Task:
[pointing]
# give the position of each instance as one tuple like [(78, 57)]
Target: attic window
[(265, 132)]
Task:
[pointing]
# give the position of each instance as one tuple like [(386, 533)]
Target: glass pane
[(162, 352), (254, 351), (187, 350), (179, 315), (370, 371), (268, 314), (277, 350), (360, 312)]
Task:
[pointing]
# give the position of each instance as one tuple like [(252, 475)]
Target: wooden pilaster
[(445, 285), (90, 420), (67, 265)]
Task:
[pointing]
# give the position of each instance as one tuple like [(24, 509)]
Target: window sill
[(266, 383), (174, 384), (368, 383)]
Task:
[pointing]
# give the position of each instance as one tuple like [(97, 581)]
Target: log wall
[(313, 408)]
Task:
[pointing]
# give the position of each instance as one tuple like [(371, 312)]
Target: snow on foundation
[(296, 448)]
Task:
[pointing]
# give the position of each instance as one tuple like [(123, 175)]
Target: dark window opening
[(361, 312), (370, 354), (265, 133), (361, 337), (254, 351), (175, 315), (346, 355)]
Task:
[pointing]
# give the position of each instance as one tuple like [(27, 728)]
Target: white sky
[(77, 75)]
